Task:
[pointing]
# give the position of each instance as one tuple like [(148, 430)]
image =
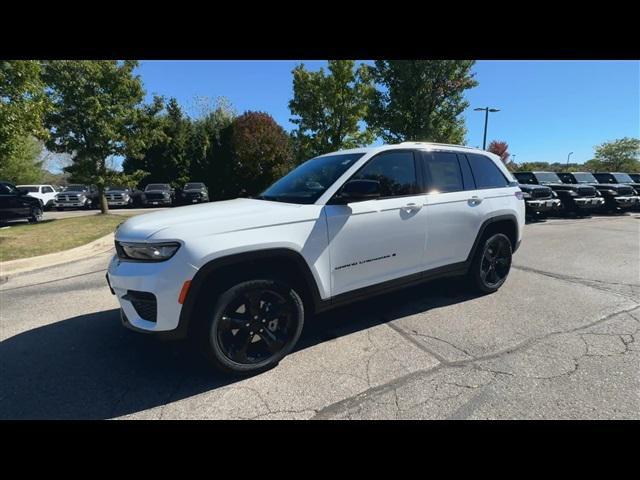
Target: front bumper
[(69, 204), (162, 279), (627, 201), (155, 202), (543, 205), (117, 203), (589, 202)]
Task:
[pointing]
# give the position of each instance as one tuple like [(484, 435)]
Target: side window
[(396, 172), (486, 173), (525, 178), (47, 190), (442, 172)]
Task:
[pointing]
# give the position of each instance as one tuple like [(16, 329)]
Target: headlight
[(125, 196), (526, 195), (150, 252), (554, 194), (571, 193), (81, 196)]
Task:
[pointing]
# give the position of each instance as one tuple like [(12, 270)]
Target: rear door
[(491, 184), (455, 208)]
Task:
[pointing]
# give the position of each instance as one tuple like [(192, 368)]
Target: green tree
[(255, 152), (24, 165), (622, 155), (23, 104), (420, 100), (96, 107), (330, 108)]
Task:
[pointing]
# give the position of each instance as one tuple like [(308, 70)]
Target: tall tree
[(622, 155), (329, 109), (256, 151), (23, 104), (420, 99), (501, 149), (96, 106), (24, 165)]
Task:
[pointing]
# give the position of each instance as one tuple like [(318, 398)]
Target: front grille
[(193, 194), (625, 191), (541, 193), (154, 196), (144, 303), (587, 191), (114, 196), (67, 198)]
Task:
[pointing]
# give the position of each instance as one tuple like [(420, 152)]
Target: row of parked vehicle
[(86, 196), (579, 193)]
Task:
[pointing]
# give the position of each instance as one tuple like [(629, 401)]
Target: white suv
[(241, 275), (45, 193)]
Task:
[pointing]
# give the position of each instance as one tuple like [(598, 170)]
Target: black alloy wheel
[(492, 263), (255, 324)]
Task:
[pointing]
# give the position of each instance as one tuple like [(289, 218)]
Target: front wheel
[(253, 325), (491, 263), (36, 215)]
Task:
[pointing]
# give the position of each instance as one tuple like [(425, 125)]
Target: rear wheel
[(253, 325), (491, 264)]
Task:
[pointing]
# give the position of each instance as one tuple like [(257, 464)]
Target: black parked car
[(617, 197), (636, 178), (78, 196), (16, 204), (621, 178), (119, 196), (194, 192), (539, 201), (158, 194), (578, 199)]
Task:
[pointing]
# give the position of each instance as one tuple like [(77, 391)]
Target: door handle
[(475, 200), (412, 207)]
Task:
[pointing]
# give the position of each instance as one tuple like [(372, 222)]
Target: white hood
[(212, 218)]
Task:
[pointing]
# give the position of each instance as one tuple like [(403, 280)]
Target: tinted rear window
[(443, 172), (486, 173)]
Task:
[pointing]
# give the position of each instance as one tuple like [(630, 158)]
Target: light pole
[(486, 120), (513, 158), (570, 153)]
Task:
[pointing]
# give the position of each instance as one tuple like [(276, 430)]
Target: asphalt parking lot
[(557, 341)]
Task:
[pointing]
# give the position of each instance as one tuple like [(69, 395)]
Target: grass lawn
[(29, 240)]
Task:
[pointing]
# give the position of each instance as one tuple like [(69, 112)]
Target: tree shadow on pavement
[(90, 367)]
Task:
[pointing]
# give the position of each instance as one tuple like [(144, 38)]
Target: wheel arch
[(507, 224), (220, 272)]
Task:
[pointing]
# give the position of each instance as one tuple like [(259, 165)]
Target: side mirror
[(357, 190)]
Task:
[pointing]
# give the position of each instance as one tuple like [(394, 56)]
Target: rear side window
[(442, 172), (525, 178), (396, 172), (604, 178), (485, 172)]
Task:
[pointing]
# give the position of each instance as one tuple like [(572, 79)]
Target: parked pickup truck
[(617, 197), (241, 276), (578, 199), (45, 193), (119, 196), (194, 192), (158, 194), (77, 196)]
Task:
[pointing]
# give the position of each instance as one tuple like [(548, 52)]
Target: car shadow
[(90, 367)]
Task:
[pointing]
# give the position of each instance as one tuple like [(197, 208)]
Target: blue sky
[(548, 108)]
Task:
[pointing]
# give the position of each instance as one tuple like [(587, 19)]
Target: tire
[(36, 215), (248, 303), (480, 276)]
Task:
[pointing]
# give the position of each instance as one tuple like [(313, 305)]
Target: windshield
[(7, 188), (157, 186), (306, 183), (585, 178), (28, 188), (193, 186), (622, 178), (116, 187), (547, 177), (76, 188)]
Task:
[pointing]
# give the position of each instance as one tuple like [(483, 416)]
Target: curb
[(23, 265)]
